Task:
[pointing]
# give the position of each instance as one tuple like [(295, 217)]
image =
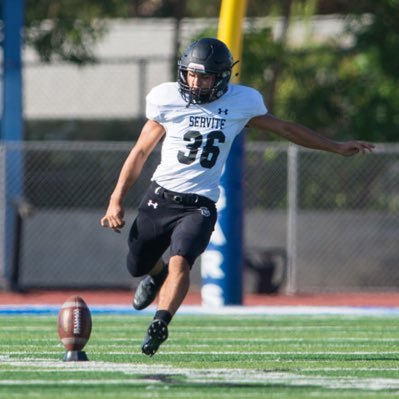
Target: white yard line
[(154, 373), (237, 352)]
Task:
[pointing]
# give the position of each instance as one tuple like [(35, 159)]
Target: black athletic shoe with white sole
[(148, 288), (156, 334)]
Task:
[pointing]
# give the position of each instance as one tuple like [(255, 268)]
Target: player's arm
[(305, 137), (150, 135)]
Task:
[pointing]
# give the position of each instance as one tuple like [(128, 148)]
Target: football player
[(198, 118)]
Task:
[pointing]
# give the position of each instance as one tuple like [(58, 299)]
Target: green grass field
[(206, 357)]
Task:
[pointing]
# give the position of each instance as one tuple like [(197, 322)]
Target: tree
[(67, 29), (343, 91)]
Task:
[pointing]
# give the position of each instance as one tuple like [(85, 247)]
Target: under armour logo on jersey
[(221, 111), (153, 204)]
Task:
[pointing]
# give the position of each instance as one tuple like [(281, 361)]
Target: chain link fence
[(337, 219)]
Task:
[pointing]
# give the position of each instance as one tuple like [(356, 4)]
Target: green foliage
[(259, 54), (343, 93), (340, 93), (380, 36), (66, 29)]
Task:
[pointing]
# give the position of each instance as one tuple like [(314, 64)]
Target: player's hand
[(113, 218), (349, 148)]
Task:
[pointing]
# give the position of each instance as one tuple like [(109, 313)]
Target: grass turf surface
[(206, 357)]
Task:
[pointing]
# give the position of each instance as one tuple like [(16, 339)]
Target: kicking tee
[(199, 137)]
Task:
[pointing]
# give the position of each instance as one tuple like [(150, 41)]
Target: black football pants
[(183, 222)]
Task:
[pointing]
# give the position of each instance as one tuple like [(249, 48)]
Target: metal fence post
[(292, 191), (142, 90)]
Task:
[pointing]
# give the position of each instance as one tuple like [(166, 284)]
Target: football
[(74, 323)]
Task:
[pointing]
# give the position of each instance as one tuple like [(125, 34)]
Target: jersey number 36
[(208, 154)]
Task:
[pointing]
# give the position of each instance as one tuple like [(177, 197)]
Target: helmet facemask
[(201, 96)]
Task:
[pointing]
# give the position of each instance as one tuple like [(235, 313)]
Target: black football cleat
[(147, 289), (145, 293), (156, 334)]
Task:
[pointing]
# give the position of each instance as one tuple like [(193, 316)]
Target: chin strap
[(190, 99)]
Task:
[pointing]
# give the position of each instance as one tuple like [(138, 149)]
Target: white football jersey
[(198, 138)]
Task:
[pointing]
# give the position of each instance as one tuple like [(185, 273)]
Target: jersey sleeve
[(162, 100), (252, 103), (153, 109)]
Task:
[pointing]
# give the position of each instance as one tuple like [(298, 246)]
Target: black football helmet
[(207, 56)]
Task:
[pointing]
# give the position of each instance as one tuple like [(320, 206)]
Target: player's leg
[(171, 296), (176, 285), (189, 239), (147, 243)]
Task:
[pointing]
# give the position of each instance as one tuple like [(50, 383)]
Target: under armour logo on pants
[(153, 204)]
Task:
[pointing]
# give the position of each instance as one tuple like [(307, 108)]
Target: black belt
[(183, 198)]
